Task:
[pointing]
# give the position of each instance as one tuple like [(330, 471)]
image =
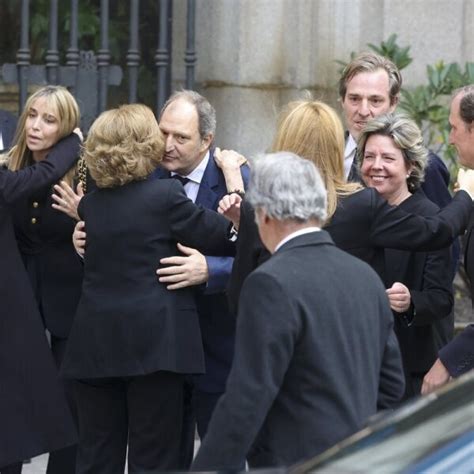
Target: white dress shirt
[(349, 154), (195, 177)]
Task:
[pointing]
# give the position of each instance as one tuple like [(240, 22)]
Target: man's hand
[(399, 297), (66, 199), (188, 270), (79, 238), (436, 377), (229, 207)]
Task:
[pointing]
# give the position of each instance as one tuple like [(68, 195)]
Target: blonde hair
[(66, 110), (312, 130), (124, 144)]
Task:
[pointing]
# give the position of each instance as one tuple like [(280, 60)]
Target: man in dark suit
[(7, 129), (457, 357), (312, 361), (188, 122)]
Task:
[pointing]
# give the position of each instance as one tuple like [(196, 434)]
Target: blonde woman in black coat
[(43, 234)]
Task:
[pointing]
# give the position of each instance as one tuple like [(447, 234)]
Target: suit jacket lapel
[(469, 249), (208, 194)]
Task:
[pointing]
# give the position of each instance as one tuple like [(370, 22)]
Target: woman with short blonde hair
[(133, 340), (124, 145)]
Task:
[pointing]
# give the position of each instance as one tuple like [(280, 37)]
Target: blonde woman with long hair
[(43, 234), (33, 412)]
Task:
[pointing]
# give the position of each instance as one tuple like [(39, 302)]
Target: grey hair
[(406, 135), (370, 62), (206, 112), (287, 187), (466, 105)]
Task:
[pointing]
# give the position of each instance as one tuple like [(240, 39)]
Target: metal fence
[(89, 74)]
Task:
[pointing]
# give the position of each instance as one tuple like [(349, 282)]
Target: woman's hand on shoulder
[(229, 159), (78, 132), (66, 199), (229, 162)]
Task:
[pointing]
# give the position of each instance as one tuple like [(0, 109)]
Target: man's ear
[(394, 102), (206, 142)]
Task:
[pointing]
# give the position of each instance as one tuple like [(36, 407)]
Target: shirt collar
[(306, 230), (197, 173)]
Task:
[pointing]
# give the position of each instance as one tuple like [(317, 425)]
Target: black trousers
[(63, 461), (198, 408), (145, 410)]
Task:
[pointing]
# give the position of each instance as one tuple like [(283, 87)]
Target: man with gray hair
[(312, 361), (188, 123)]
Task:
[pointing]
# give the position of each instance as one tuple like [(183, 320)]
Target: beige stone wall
[(9, 98), (255, 55)]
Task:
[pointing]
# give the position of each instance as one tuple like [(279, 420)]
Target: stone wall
[(256, 55)]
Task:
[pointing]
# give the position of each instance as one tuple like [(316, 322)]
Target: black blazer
[(7, 128), (127, 323), (33, 412), (429, 323), (301, 381), (44, 239), (363, 225)]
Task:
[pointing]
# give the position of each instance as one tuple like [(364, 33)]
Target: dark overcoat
[(33, 411), (313, 361)]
